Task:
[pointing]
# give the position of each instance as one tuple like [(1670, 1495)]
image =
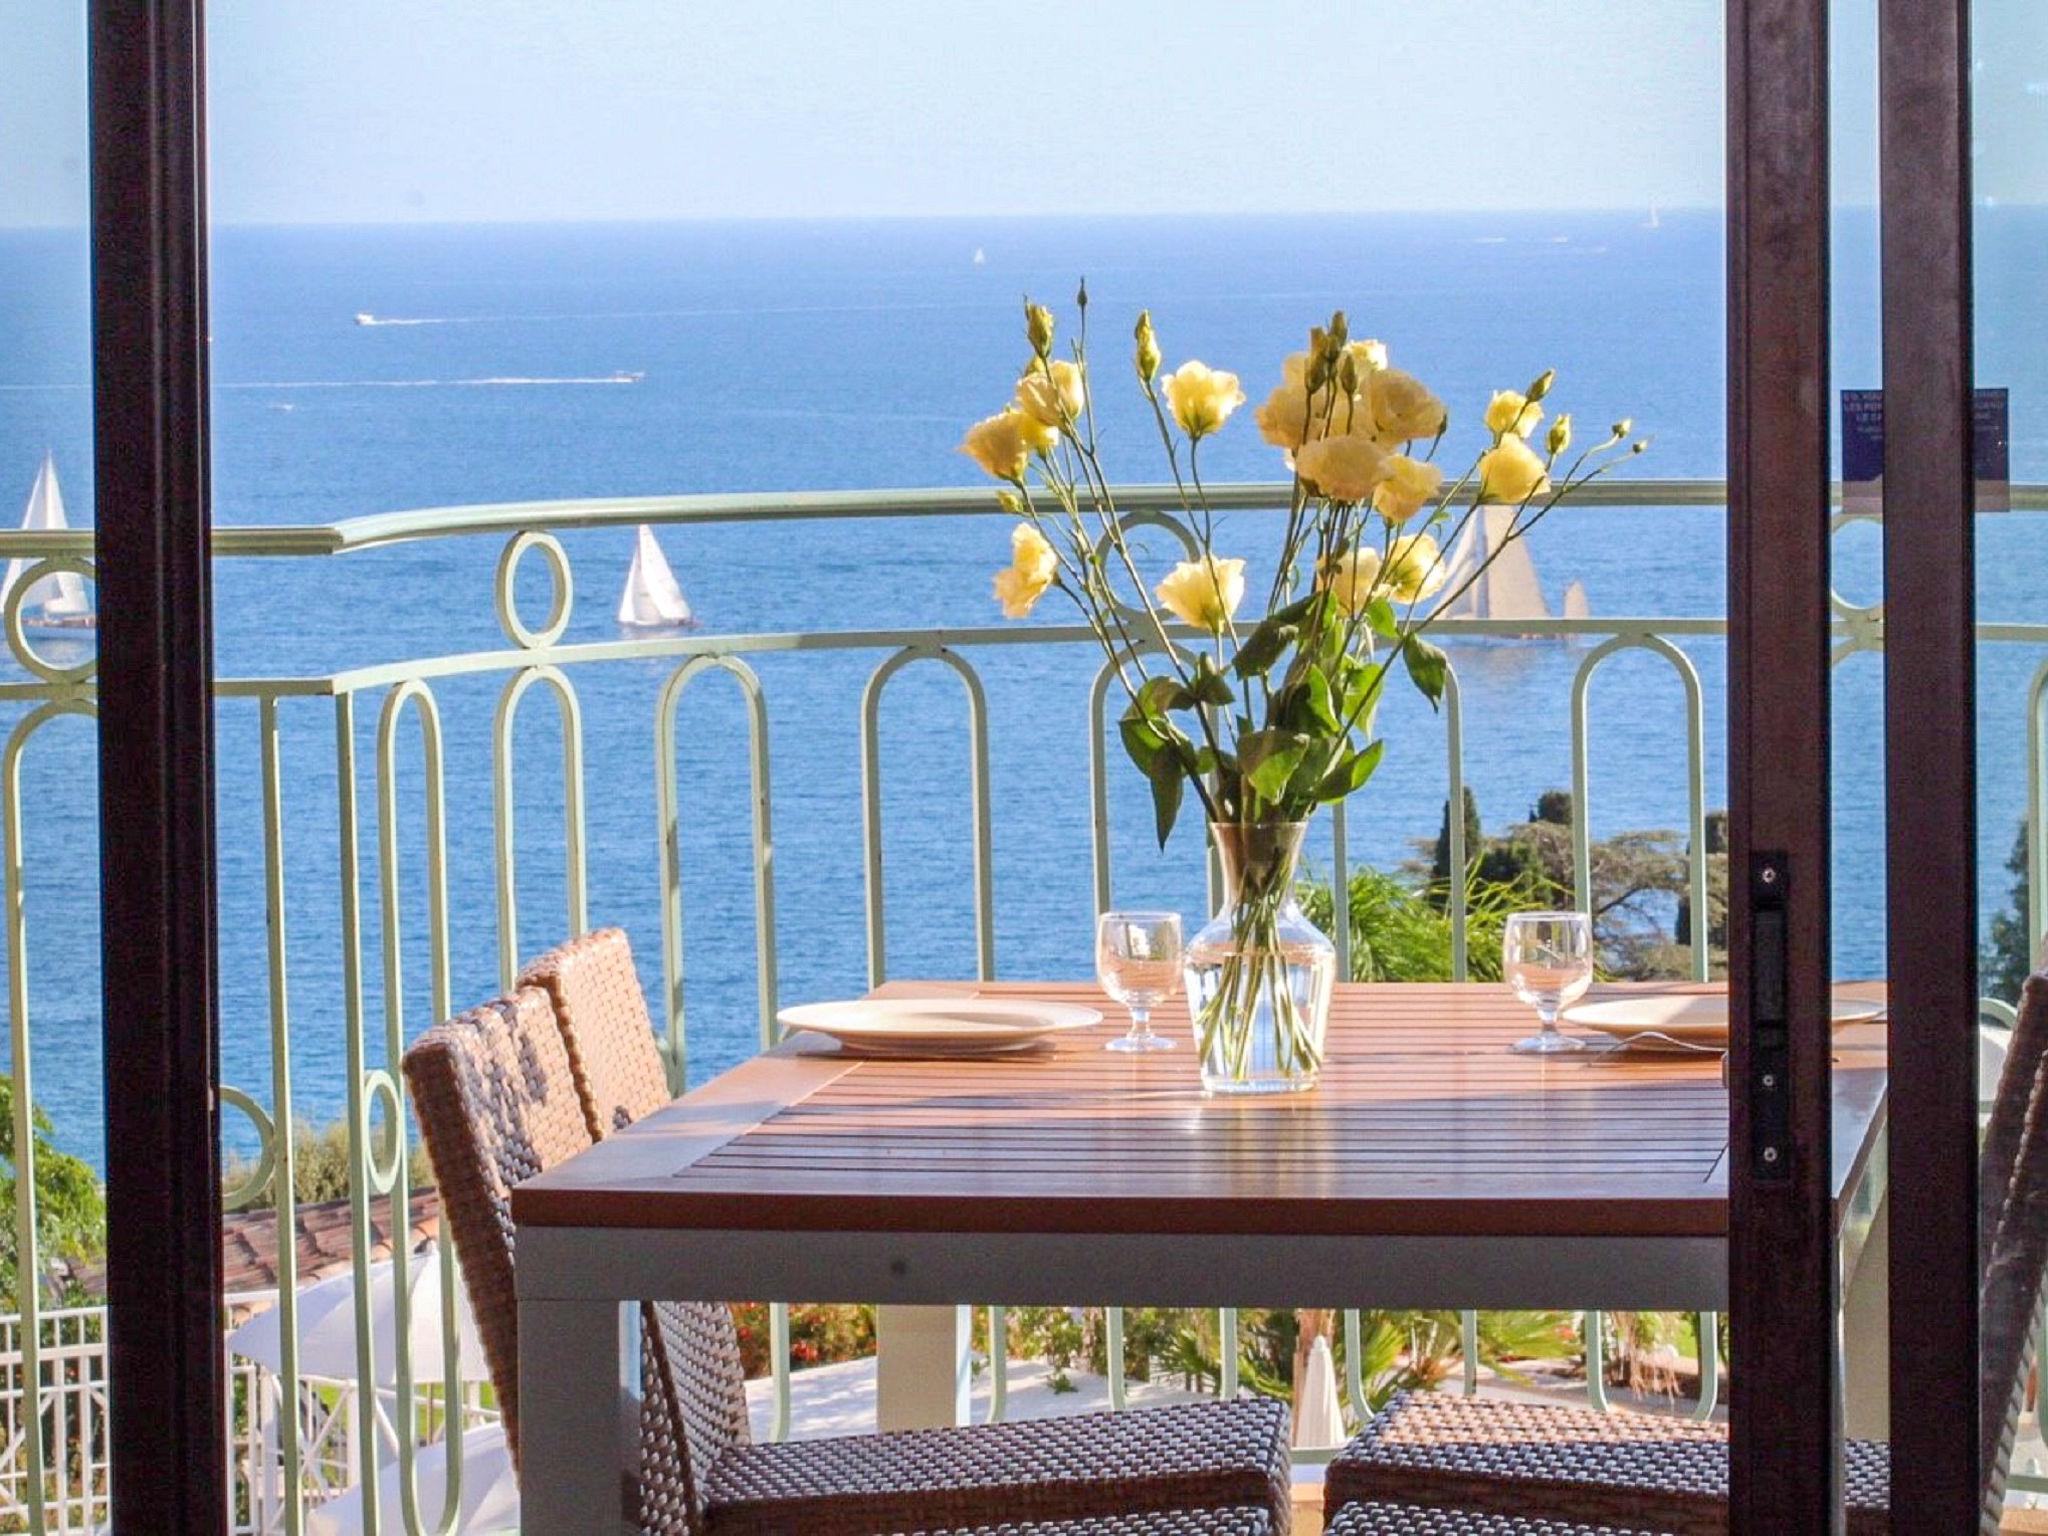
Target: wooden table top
[(1423, 1123)]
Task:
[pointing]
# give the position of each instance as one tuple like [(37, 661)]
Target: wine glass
[(1137, 960), (1547, 957)]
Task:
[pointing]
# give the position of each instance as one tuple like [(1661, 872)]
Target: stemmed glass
[(1137, 960), (1547, 957)]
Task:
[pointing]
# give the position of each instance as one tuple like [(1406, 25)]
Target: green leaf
[(1167, 789), (1361, 681), (1264, 646), (1294, 612), (1428, 669), (1350, 774), (1270, 758), (1157, 695), (1142, 743), (1309, 706), (1209, 686), (1316, 760), (1379, 613)]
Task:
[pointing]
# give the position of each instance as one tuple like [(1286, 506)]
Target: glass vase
[(1259, 974)]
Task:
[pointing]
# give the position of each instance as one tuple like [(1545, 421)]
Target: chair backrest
[(496, 1104), (603, 1017), (694, 1347), (2015, 1091), (2014, 1238)]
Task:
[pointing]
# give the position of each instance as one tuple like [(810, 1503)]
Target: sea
[(507, 363)]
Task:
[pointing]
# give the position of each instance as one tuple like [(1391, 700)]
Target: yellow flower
[(1147, 354), (999, 443), (1408, 486), (1032, 568), (1560, 434), (1202, 397), (1283, 419), (1343, 468), (1402, 409), (1205, 592), (1512, 414), (1510, 473), (1053, 394), (1290, 417), (1370, 356), (1351, 577), (1038, 436), (1414, 568)]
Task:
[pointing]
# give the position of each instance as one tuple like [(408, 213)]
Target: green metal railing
[(539, 656)]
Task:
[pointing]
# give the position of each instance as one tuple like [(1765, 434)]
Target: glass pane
[(2010, 84), (50, 1285), (574, 257)]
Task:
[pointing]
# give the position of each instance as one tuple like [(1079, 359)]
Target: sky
[(368, 111)]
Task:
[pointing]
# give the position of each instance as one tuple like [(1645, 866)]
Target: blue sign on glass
[(1863, 451)]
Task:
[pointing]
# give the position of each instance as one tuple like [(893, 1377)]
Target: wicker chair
[(1631, 1470), (496, 1104), (1249, 1521), (1199, 1462), (1382, 1519)]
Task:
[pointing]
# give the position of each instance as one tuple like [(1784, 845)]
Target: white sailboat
[(1576, 605), (653, 599), (1505, 589), (57, 601)]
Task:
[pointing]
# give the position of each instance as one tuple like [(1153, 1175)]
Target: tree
[(2008, 947), (1475, 840), (71, 1212)]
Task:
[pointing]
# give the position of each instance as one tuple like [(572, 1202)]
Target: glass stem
[(1549, 1019), (1141, 1022)]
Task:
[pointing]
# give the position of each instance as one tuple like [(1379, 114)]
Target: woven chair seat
[(1193, 1457), (1173, 1522), (1625, 1470), (1383, 1519)]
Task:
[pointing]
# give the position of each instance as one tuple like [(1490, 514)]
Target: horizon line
[(652, 221)]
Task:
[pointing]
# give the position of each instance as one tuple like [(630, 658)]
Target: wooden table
[(1429, 1168)]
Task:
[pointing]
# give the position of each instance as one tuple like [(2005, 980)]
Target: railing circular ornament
[(1865, 620), (1125, 522), (17, 636), (563, 584), (249, 1189), (381, 1153)]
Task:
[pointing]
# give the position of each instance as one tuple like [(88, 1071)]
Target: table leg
[(578, 1392), (923, 1366), (1866, 1336)]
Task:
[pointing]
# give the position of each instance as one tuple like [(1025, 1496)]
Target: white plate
[(1695, 1018), (938, 1026)]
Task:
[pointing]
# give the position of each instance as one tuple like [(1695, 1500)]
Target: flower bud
[(1038, 326), (1560, 435), (1081, 298), (1010, 502), (1340, 329), (1347, 374), (1148, 349), (1542, 385), (1622, 428)]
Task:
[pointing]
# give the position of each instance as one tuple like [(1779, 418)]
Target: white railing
[(400, 904)]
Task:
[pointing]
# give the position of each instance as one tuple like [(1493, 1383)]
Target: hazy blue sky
[(369, 110)]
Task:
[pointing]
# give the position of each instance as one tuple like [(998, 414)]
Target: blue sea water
[(571, 361)]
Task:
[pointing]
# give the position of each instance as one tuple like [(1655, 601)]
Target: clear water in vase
[(1259, 974)]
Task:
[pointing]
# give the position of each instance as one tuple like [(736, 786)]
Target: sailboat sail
[(1506, 588), (1575, 604), (58, 599), (652, 599)]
